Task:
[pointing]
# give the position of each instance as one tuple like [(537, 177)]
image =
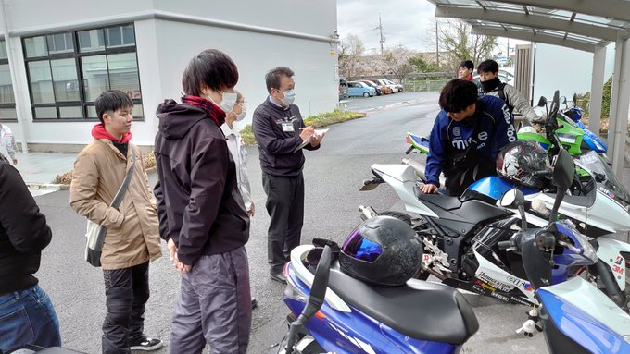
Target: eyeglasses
[(361, 248)]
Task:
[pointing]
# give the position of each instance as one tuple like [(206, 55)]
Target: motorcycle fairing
[(586, 315), (609, 251)]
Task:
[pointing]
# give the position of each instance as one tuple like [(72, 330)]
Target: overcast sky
[(407, 22)]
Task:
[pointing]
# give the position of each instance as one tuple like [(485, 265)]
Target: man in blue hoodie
[(466, 137)]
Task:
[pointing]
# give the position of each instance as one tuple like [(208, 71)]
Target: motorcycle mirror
[(542, 101), (320, 282), (574, 99), (563, 100), (315, 298), (514, 198), (563, 172)]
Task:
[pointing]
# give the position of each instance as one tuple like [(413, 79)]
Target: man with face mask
[(239, 154), (281, 136), (488, 72), (201, 211)]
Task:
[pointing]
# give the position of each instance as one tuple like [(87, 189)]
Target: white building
[(63, 53)]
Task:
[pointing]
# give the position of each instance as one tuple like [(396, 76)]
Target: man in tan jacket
[(132, 231)]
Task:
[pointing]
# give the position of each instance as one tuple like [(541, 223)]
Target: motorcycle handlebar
[(504, 245)]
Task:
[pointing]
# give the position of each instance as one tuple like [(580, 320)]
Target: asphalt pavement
[(333, 175)]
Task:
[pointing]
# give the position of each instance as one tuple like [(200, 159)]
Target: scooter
[(575, 316), (332, 312)]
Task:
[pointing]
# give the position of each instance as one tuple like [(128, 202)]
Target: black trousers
[(127, 292), (285, 205)]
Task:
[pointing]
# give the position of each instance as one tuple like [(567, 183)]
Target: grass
[(319, 121), (66, 178)]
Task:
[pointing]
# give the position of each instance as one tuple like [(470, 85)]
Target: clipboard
[(302, 144)]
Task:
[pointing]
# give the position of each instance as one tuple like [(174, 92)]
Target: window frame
[(5, 61), (77, 55)]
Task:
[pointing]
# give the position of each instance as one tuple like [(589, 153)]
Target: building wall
[(254, 54), (168, 34), (565, 69)]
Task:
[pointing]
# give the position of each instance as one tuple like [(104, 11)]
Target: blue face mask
[(289, 98)]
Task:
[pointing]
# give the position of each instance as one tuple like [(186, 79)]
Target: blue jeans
[(28, 317)]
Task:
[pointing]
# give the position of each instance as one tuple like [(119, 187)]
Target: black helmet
[(381, 251), (524, 162)]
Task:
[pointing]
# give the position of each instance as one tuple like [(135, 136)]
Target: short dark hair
[(111, 101), (274, 77), (466, 64), (488, 66), (211, 68), (457, 95)]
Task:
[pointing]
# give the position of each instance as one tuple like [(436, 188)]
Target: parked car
[(504, 76), (399, 87), (386, 89), (343, 89), (358, 88), (393, 88), (376, 87)]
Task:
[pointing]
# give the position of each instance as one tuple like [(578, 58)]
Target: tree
[(397, 62), (420, 65), (350, 50), (456, 38)]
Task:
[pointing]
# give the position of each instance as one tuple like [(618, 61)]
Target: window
[(68, 70), (7, 98)]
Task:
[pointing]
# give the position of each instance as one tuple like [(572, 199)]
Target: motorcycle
[(575, 316), (564, 129), (351, 316), (460, 235)]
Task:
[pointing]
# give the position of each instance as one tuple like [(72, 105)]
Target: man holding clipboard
[(282, 137)]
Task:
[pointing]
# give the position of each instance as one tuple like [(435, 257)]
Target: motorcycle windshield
[(607, 182)]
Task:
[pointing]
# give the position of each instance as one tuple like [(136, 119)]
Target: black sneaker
[(146, 343)]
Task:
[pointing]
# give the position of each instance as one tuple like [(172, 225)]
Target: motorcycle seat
[(444, 201), (460, 216), (421, 310)]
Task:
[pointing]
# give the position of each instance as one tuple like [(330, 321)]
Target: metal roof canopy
[(584, 25)]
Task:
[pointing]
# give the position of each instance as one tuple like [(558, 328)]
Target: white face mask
[(228, 99), (241, 116), (289, 98)]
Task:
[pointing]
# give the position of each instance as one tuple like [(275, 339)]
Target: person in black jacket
[(201, 211), (281, 135), (27, 316)]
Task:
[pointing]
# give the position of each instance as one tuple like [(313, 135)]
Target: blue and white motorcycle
[(332, 312), (575, 316)]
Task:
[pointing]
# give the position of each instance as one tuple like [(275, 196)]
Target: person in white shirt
[(236, 145), (238, 151), (8, 147)]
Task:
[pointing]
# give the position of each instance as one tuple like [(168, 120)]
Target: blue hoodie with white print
[(496, 130)]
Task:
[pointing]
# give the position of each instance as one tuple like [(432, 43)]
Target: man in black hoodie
[(27, 315), (201, 211)]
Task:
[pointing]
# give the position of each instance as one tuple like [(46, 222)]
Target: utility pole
[(380, 27), (437, 51)]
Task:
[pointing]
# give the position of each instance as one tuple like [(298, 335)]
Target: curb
[(47, 186)]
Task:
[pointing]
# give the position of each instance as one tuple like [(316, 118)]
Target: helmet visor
[(361, 248)]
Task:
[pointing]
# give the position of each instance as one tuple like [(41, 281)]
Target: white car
[(392, 86)]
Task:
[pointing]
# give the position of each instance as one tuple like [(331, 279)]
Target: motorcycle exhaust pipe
[(434, 273)]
